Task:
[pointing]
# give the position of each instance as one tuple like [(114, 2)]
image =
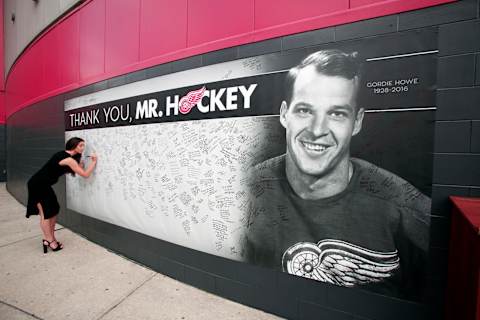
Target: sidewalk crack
[(14, 242), (128, 295), (21, 310), (28, 238)]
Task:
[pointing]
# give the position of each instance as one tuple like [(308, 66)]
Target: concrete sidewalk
[(85, 281)]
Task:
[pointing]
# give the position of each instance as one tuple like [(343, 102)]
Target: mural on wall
[(316, 162)]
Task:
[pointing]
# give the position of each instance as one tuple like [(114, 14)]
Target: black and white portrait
[(323, 213)]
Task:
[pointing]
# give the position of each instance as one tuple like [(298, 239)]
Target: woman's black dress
[(39, 186)]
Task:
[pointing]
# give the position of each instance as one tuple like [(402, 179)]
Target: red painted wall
[(105, 38), (2, 70), (2, 55)]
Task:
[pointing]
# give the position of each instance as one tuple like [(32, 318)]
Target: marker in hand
[(93, 156)]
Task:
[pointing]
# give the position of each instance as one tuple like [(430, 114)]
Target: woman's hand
[(78, 168)]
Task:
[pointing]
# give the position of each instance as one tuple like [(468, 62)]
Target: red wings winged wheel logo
[(188, 101)]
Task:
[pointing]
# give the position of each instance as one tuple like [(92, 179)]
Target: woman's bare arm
[(79, 169)]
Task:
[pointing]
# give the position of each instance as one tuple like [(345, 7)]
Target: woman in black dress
[(41, 197)]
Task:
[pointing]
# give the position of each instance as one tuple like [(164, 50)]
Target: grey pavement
[(85, 281)]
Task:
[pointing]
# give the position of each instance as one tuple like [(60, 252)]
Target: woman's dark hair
[(72, 143)]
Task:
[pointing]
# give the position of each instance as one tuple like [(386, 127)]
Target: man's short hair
[(332, 62)]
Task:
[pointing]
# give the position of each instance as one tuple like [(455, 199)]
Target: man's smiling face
[(320, 121)]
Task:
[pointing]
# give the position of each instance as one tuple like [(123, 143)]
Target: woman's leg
[(53, 222), (45, 225)]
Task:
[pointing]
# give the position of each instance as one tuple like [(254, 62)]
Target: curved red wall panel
[(92, 40), (270, 14), (2, 71), (166, 19), (218, 19), (105, 38), (122, 25)]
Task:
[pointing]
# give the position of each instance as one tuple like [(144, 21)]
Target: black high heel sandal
[(49, 245)]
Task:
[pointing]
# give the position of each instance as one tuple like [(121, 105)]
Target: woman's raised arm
[(77, 168)]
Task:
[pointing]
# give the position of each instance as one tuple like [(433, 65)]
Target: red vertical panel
[(51, 57), (25, 80), (10, 101), (24, 84), (359, 3), (32, 73), (18, 89), (210, 20), (92, 39), (463, 290), (121, 33), (271, 13), (69, 51), (163, 27), (2, 70), (2, 56)]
